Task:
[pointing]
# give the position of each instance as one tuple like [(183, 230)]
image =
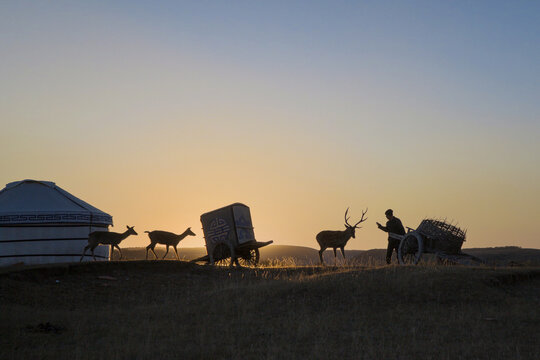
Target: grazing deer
[(166, 238), (107, 238), (338, 239)]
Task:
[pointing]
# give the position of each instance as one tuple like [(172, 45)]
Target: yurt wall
[(47, 244)]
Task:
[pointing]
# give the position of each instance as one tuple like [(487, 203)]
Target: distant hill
[(294, 255), (507, 255), (302, 255), (299, 255), (139, 253), (497, 256)]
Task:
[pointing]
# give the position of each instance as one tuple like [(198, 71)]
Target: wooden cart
[(229, 236), (434, 237)]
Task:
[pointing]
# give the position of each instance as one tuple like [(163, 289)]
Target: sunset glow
[(158, 113)]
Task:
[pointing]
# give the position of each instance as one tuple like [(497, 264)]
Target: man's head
[(389, 214)]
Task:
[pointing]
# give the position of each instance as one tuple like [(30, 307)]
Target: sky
[(158, 111)]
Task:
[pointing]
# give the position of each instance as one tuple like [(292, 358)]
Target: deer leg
[(320, 255), (120, 251), (176, 251), (93, 255), (111, 253), (166, 252), (343, 252), (148, 248), (151, 248), (335, 257), (84, 251)]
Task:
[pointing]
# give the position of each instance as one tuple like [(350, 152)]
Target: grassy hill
[(305, 256), (179, 310)]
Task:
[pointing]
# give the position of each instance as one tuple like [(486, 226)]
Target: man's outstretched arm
[(383, 228)]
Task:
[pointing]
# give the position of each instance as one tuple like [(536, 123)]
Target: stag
[(166, 238), (338, 239), (107, 238)]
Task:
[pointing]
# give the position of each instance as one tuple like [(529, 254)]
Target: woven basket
[(443, 236)]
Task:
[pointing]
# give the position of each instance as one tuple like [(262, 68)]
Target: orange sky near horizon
[(156, 117)]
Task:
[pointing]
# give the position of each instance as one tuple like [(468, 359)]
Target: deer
[(107, 238), (166, 238), (338, 239)]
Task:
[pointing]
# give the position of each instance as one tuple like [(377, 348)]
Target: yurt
[(41, 223)]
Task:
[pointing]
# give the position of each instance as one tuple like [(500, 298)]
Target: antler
[(362, 219), (347, 218)]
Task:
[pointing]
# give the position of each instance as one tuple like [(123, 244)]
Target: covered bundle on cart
[(228, 233)]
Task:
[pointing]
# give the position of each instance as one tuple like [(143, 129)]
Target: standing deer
[(338, 239), (107, 238), (166, 238)]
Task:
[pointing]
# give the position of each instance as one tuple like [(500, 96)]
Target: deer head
[(131, 230), (352, 228)]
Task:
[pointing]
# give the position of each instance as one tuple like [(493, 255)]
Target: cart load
[(442, 236), (229, 236), (433, 237)]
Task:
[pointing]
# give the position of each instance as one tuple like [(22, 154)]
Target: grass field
[(178, 310), (305, 256)]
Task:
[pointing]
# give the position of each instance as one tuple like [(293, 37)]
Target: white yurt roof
[(43, 202)]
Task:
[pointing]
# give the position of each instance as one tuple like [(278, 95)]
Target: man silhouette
[(393, 226)]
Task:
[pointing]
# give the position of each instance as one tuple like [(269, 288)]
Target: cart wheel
[(249, 257), (410, 249), (222, 255)]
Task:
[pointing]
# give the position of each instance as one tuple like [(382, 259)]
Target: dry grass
[(172, 310)]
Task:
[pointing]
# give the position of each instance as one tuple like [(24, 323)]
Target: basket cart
[(434, 237), (228, 233)]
